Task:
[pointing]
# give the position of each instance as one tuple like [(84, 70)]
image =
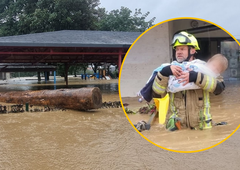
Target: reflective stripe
[(172, 106), (212, 83), (209, 84), (206, 85), (206, 109), (158, 88)]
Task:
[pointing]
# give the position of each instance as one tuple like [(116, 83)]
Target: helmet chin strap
[(189, 55)]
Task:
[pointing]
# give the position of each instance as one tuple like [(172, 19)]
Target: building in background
[(232, 51)]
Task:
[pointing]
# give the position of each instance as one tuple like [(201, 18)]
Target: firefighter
[(190, 108)]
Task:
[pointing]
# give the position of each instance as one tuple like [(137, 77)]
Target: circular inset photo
[(179, 85)]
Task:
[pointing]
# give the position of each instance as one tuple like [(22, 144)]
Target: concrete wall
[(149, 52)]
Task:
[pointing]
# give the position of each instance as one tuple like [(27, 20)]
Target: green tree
[(61, 69), (123, 20), (32, 16), (75, 69)]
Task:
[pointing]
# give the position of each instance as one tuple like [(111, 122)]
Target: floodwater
[(61, 139), (16, 84), (224, 107), (98, 139), (43, 140)]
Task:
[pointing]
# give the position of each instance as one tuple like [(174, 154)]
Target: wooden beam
[(57, 53), (66, 73), (119, 59)]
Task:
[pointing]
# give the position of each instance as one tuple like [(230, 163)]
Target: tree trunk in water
[(77, 99)]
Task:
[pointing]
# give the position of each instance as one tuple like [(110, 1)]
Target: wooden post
[(66, 73), (45, 75), (39, 76), (48, 74), (119, 60)]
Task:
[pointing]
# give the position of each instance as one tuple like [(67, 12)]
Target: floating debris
[(143, 110), (3, 109), (149, 109), (128, 111), (19, 108), (115, 104)]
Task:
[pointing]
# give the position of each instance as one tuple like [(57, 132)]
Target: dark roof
[(25, 67), (26, 64), (72, 38)]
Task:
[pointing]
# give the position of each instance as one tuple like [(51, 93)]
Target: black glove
[(219, 88), (193, 76), (166, 71)]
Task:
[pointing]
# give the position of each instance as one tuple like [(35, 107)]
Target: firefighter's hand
[(176, 70), (184, 78)]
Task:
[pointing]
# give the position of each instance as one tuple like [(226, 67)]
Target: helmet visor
[(181, 39)]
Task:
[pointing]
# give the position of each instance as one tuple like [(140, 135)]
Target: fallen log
[(77, 99)]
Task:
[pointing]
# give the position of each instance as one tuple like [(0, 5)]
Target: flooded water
[(224, 107), (106, 86), (99, 139), (61, 139), (40, 139)]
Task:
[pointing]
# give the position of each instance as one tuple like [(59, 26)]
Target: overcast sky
[(224, 13)]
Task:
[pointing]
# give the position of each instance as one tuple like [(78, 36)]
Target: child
[(216, 65)]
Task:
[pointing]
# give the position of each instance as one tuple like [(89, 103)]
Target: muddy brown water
[(99, 139), (224, 107), (106, 86)]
